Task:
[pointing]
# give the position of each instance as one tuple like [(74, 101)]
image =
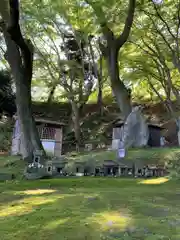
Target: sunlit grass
[(89, 208), (55, 223), (25, 205), (15, 210), (110, 220), (154, 181), (37, 191)]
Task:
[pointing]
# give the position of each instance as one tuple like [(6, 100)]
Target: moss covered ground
[(90, 208)]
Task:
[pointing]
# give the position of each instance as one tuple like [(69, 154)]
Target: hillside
[(101, 126), (94, 127), (62, 111)]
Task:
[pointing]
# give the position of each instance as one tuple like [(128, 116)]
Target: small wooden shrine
[(50, 132), (155, 134)]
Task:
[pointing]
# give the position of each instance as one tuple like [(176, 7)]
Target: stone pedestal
[(115, 144), (119, 171)]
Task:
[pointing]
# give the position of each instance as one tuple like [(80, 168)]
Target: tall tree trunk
[(119, 89), (76, 123), (30, 136), (111, 50), (100, 98), (100, 86), (20, 58), (98, 75), (178, 129)]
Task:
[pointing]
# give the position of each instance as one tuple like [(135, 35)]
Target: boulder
[(136, 133)]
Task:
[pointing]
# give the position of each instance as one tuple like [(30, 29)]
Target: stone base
[(115, 144)]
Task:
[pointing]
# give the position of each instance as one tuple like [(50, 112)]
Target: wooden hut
[(50, 132), (110, 168), (155, 134)]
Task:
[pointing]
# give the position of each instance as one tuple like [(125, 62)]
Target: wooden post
[(58, 142), (119, 171)]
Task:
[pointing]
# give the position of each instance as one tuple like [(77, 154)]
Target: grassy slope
[(146, 155), (12, 165), (16, 166), (90, 208)]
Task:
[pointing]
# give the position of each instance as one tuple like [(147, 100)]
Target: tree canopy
[(86, 50)]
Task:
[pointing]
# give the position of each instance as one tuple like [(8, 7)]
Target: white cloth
[(121, 152)]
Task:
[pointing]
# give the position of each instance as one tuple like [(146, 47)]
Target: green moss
[(90, 208)]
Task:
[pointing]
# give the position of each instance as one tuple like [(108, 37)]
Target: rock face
[(136, 133)]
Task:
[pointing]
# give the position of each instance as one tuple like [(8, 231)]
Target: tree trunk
[(120, 91), (76, 123), (30, 136), (178, 129), (22, 76), (135, 128), (51, 95), (100, 99), (100, 86)]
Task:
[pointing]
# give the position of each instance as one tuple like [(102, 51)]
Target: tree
[(105, 20), (98, 70), (110, 51), (78, 76), (159, 66), (20, 58), (135, 133), (165, 22), (66, 55)]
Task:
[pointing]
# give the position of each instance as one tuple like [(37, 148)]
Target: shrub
[(5, 136), (174, 166)]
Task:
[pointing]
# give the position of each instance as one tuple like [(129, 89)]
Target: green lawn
[(90, 209)]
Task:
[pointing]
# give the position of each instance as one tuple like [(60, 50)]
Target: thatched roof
[(109, 163), (47, 121), (120, 123)]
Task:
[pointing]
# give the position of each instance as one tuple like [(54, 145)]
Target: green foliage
[(155, 27), (174, 166), (153, 66)]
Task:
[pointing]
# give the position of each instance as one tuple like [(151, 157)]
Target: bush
[(5, 136), (174, 166), (69, 168)]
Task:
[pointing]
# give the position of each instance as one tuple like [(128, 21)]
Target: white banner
[(121, 152)]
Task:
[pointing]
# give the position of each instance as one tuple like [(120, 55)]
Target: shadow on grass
[(51, 217)]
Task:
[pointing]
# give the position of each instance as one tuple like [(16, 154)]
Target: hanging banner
[(121, 152), (157, 1)]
